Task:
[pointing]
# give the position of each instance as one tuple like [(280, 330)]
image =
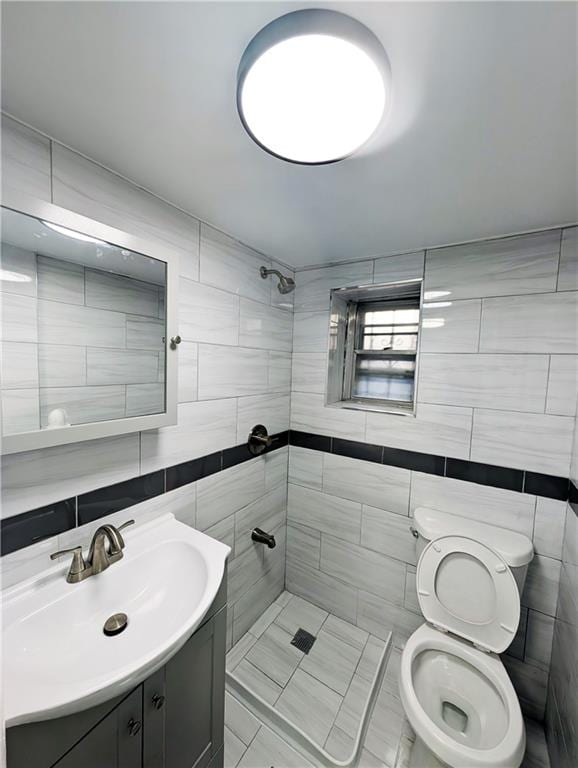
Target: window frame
[(344, 337)]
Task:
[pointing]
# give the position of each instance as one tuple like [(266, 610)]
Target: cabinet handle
[(134, 726), (158, 701)]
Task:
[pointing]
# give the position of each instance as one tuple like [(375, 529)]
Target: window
[(374, 344)]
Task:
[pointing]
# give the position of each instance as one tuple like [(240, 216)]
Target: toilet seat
[(465, 587), (509, 749)]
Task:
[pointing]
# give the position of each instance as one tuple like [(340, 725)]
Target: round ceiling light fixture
[(313, 86)]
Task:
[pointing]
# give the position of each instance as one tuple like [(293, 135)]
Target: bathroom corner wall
[(491, 439), (561, 705), (234, 372)]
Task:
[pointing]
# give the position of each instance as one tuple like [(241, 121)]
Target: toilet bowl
[(454, 688)]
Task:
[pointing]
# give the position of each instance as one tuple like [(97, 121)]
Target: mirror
[(84, 323)]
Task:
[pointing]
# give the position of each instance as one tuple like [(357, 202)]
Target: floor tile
[(300, 614), (351, 709), (274, 655), (268, 750), (370, 658), (345, 631), (309, 705), (266, 618), (239, 651), (234, 749), (257, 682), (331, 661), (239, 720)]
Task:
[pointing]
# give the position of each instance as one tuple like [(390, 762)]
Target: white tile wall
[(452, 326), (25, 160), (568, 272)]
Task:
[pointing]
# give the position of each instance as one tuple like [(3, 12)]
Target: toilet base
[(422, 757)]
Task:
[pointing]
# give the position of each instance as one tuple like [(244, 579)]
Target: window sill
[(360, 405)]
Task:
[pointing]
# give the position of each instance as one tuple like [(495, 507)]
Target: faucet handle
[(78, 565), (125, 525)]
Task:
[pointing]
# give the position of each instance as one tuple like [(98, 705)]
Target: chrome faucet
[(99, 557)]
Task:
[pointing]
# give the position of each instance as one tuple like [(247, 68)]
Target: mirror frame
[(45, 438)]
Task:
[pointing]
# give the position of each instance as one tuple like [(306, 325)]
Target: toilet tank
[(516, 549)]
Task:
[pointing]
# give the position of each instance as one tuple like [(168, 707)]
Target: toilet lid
[(466, 588)]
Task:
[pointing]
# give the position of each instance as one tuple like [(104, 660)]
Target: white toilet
[(454, 688)]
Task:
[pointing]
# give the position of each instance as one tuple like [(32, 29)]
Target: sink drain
[(115, 624)]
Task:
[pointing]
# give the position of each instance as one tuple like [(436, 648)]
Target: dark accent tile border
[(485, 474), (546, 485), (30, 527), (510, 479), (573, 496), (105, 501)]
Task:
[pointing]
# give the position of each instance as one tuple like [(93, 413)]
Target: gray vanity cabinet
[(174, 719)]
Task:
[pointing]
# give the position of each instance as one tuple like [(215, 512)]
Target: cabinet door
[(116, 742), (195, 691)]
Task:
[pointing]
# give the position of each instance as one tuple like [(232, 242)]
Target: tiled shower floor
[(322, 693)]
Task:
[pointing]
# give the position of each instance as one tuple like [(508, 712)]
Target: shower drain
[(303, 640)]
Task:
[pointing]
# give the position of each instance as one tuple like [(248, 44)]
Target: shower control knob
[(158, 701), (259, 439), (175, 341)]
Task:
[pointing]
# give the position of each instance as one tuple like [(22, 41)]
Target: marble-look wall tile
[(231, 371), (85, 187), (306, 467), (265, 327), (221, 494), (259, 597), (19, 363), (441, 429), (314, 285), (83, 404), (549, 527), (410, 599), (387, 533), (26, 563), (539, 637), (303, 545), (495, 506), (503, 382), (79, 326), (25, 160), (23, 263), (531, 441), (20, 411), (539, 323), (363, 568), (144, 399), (121, 366), (530, 683), (309, 372), (202, 428), (268, 512), (451, 328), (36, 478), (568, 272), (228, 264), (279, 372), (406, 266), (381, 617), (207, 314), (310, 414), (511, 265), (321, 589), (143, 332), (61, 365), (328, 514), (276, 468), (188, 371), (562, 385), (310, 331), (121, 294), (60, 280), (367, 482), (19, 318), (541, 588), (270, 410)]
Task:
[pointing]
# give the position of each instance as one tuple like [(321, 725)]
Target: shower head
[(286, 284)]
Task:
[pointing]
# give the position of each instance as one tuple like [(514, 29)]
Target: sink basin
[(57, 659)]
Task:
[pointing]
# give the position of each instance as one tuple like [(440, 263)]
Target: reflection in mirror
[(83, 327)]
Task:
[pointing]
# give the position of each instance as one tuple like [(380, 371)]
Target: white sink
[(56, 658)]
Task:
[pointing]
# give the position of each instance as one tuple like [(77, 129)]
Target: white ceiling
[(481, 138)]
